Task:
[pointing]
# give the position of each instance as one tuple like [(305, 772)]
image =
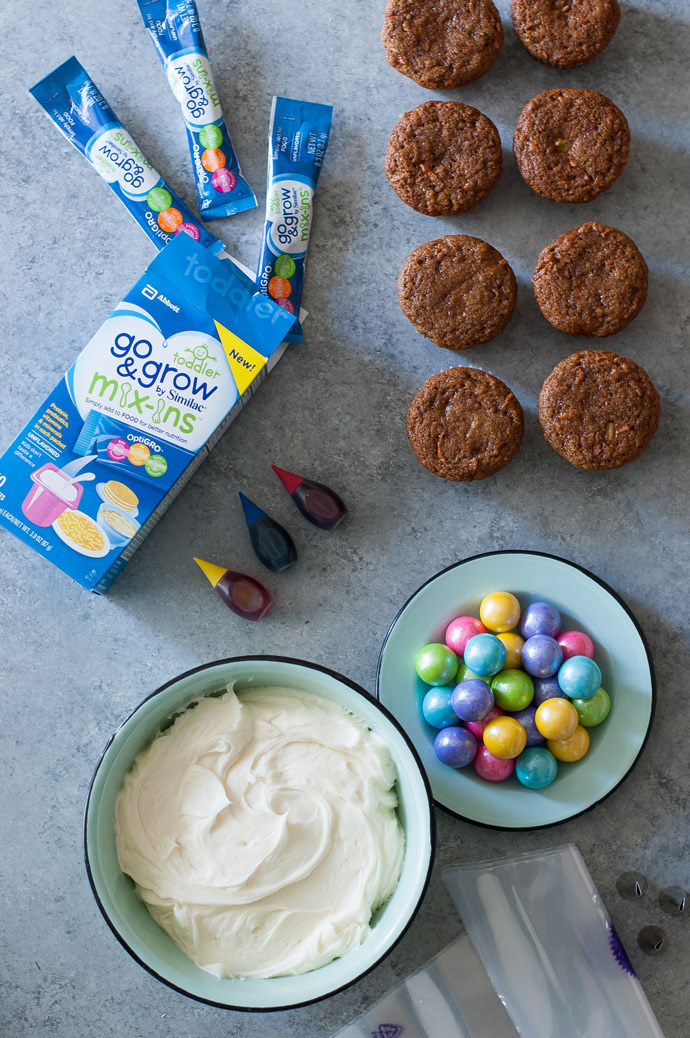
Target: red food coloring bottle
[(317, 502)]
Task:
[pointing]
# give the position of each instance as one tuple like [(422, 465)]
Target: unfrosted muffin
[(570, 144), (458, 291), (465, 424), (598, 410), (442, 43), (591, 280), (443, 157), (565, 33)]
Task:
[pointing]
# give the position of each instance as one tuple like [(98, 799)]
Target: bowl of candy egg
[(259, 833), (526, 685)]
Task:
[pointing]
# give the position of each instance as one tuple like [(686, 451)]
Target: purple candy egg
[(526, 719), (455, 746), (472, 699), (540, 618), (541, 656), (546, 688)]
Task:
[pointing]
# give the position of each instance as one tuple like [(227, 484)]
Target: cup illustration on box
[(52, 493), (117, 514)]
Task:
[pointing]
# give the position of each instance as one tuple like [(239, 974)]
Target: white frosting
[(261, 831)]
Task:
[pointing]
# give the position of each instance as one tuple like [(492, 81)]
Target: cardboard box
[(138, 411)]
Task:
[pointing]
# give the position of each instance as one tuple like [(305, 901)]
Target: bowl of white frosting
[(259, 833)]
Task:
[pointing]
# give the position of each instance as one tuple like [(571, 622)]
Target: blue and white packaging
[(138, 411), (71, 100), (175, 31), (297, 141)]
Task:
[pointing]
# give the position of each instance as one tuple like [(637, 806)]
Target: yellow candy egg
[(513, 643), (556, 718), (505, 737), (499, 611), (571, 749)]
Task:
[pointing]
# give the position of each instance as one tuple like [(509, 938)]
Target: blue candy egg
[(579, 677), (437, 709), (536, 767), (485, 654)]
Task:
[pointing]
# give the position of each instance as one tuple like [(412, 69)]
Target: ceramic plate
[(585, 603)]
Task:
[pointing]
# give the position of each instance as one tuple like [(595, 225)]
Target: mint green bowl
[(585, 602), (130, 921)]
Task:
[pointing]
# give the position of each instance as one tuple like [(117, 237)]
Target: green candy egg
[(513, 689), (436, 664), (594, 710)]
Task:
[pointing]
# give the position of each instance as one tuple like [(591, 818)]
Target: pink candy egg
[(575, 643), (494, 769), (460, 630), (477, 727)]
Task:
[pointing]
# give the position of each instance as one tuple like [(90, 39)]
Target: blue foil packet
[(297, 141), (137, 412), (74, 103), (175, 31)]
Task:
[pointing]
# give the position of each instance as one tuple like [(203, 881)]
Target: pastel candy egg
[(594, 710), (505, 737), (556, 718), (512, 689), (575, 643), (460, 630), (471, 700), (541, 656), (579, 677), (536, 767), (547, 688), (491, 768), (499, 611), (526, 718), (485, 654), (572, 747), (455, 746), (464, 673), (437, 709), (540, 618), (513, 643), (436, 664), (477, 727)]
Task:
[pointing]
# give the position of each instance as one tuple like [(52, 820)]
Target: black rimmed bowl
[(586, 603), (126, 914)]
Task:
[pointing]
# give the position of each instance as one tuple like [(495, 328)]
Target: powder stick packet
[(175, 30), (138, 411), (297, 142), (74, 103)]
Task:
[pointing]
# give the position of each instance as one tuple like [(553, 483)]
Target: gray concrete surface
[(74, 665)]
